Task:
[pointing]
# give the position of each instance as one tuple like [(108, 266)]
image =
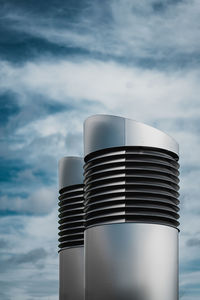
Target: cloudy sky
[(61, 61)]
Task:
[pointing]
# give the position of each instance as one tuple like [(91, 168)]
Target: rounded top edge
[(70, 171), (107, 131), (104, 115)]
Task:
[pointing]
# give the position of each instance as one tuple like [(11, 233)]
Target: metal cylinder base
[(71, 262), (131, 261)]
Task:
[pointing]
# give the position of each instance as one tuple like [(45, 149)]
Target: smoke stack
[(71, 229), (131, 207)]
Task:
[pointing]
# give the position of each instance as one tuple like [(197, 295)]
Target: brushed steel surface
[(70, 171), (105, 131), (71, 259), (71, 272), (131, 261)]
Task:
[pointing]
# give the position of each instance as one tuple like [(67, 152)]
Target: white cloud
[(41, 201), (146, 95), (140, 93), (149, 33)]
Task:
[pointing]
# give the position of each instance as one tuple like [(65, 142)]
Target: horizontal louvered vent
[(71, 217), (131, 184)]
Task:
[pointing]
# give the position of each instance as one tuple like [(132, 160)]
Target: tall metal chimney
[(71, 229), (131, 206)]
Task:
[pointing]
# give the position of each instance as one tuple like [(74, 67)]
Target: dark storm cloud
[(52, 8), (14, 115), (8, 107), (94, 29), (4, 244), (162, 6), (17, 46), (32, 256), (22, 46), (10, 168), (20, 173), (14, 260), (193, 242)]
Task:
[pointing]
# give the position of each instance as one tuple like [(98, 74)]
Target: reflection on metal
[(103, 131), (131, 210), (71, 229), (71, 272)]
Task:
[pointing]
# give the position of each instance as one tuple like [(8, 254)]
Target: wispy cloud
[(154, 30), (41, 201), (31, 252), (138, 59), (107, 83)]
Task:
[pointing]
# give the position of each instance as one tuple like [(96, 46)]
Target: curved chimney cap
[(70, 171), (106, 131)]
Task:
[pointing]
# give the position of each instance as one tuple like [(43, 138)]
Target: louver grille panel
[(131, 184), (71, 216)]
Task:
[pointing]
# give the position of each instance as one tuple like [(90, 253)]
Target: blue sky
[(61, 61)]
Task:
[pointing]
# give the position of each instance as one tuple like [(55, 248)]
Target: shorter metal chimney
[(71, 229)]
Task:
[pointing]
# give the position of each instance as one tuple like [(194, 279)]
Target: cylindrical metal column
[(131, 206), (71, 229)]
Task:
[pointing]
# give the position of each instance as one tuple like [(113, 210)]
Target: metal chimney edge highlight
[(107, 131), (70, 171), (71, 229), (131, 211)]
